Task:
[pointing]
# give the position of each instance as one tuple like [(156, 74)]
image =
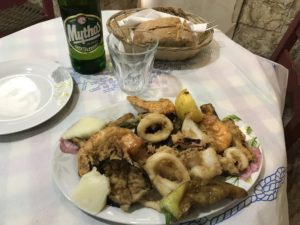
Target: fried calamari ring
[(166, 172), (234, 160), (152, 121)]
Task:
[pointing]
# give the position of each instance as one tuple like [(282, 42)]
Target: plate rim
[(40, 112), (184, 220)]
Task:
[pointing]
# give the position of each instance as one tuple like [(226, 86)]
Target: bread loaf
[(170, 31)]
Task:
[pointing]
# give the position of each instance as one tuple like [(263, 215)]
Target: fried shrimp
[(109, 143), (155, 127), (163, 106), (234, 160), (238, 139), (165, 170), (218, 131)]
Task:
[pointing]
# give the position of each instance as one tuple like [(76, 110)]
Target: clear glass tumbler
[(132, 64)]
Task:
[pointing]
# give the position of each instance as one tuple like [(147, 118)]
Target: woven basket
[(163, 52)]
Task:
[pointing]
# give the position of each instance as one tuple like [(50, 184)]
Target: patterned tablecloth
[(225, 74)]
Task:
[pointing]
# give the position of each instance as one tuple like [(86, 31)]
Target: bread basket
[(164, 52)]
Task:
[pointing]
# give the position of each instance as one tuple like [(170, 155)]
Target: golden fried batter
[(128, 183), (238, 139), (165, 170), (109, 143), (218, 131), (201, 164), (163, 106), (208, 109), (234, 160)]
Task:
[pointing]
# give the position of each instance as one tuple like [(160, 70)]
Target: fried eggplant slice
[(214, 191)]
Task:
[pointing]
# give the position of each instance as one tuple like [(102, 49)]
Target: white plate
[(31, 91), (66, 177)]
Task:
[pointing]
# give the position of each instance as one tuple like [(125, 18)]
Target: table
[(225, 74)]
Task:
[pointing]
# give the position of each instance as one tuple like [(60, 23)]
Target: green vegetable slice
[(170, 204)]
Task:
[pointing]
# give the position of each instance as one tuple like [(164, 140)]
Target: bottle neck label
[(84, 32)]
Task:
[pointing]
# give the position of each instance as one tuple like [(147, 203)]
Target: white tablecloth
[(225, 74)]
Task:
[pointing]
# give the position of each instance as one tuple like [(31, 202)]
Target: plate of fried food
[(156, 161)]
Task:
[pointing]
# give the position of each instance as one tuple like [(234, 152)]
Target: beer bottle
[(83, 28)]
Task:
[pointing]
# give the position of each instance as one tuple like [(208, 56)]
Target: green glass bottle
[(83, 28)]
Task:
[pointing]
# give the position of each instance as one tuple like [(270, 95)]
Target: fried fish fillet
[(128, 183), (162, 106), (218, 131), (215, 128)]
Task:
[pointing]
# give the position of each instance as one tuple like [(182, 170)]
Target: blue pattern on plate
[(265, 190)]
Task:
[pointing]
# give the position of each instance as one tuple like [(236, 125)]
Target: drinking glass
[(132, 64)]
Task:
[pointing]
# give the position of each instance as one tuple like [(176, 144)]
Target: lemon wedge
[(185, 106)]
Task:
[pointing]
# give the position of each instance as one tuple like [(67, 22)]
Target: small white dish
[(31, 92)]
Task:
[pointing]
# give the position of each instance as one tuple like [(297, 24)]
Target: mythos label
[(84, 32)]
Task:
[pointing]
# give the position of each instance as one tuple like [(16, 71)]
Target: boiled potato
[(84, 128), (91, 192)]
